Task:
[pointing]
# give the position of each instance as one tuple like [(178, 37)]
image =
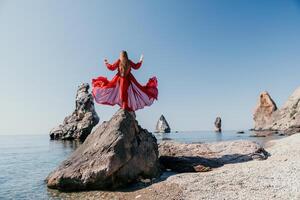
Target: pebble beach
[(274, 178)]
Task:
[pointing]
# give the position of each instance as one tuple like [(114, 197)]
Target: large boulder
[(263, 111), (218, 124), (80, 123), (162, 125), (117, 153), (181, 157), (285, 119)]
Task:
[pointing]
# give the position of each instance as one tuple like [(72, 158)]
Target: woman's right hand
[(105, 61)]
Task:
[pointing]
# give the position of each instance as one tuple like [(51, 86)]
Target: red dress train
[(124, 90)]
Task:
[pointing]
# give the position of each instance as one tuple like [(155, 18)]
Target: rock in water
[(80, 123), (117, 153), (263, 111), (218, 124), (162, 125)]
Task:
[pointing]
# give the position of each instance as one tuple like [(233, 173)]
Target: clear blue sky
[(211, 57)]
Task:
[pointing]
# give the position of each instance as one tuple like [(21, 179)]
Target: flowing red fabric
[(124, 90)]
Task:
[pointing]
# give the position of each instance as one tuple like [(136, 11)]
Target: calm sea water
[(26, 160)]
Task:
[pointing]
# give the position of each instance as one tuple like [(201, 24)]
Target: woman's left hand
[(142, 58)]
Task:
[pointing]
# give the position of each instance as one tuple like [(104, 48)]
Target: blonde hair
[(124, 63)]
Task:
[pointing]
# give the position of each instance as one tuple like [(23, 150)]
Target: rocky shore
[(122, 157), (120, 152), (274, 178), (117, 153)]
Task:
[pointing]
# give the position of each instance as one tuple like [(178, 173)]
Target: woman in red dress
[(124, 89)]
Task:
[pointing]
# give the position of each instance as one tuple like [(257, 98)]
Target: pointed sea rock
[(80, 123), (218, 124), (263, 111), (162, 125)]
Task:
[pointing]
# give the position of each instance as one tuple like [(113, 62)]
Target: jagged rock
[(117, 153), (190, 157), (218, 124), (288, 117), (162, 125), (80, 123), (264, 110), (285, 119)]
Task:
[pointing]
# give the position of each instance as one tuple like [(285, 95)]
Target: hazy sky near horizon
[(212, 58)]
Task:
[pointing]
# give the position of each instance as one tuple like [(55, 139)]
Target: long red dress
[(124, 90)]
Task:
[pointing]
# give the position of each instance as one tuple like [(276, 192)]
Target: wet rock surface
[(80, 123), (117, 153)]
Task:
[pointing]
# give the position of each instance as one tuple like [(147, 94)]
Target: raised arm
[(138, 64), (113, 66)]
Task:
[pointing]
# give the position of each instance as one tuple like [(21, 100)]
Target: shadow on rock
[(203, 157)]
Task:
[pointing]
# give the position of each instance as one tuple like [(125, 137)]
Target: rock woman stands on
[(124, 89)]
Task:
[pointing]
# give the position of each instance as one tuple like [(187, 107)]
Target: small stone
[(146, 180), (201, 168)]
